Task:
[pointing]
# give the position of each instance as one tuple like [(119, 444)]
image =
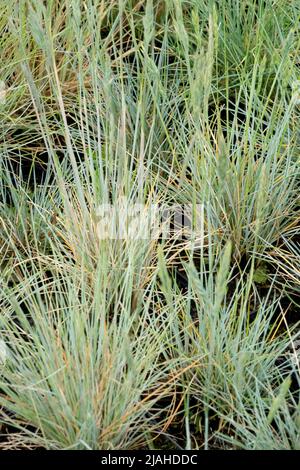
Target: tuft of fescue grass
[(83, 364), (149, 343)]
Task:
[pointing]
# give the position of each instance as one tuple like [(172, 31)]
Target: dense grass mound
[(178, 342)]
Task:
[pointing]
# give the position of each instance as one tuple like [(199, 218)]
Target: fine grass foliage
[(140, 342)]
